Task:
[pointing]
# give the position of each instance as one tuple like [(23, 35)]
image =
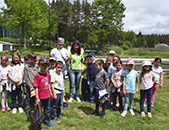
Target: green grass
[(78, 116)]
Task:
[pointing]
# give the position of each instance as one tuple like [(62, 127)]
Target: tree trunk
[(24, 42), (20, 42), (35, 42), (3, 33)]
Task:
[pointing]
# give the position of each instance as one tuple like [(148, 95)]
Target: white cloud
[(147, 16)]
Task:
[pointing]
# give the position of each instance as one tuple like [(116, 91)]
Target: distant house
[(5, 46)]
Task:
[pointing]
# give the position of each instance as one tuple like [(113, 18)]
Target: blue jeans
[(17, 92), (128, 96), (45, 103), (74, 79), (56, 104), (142, 97), (85, 89), (91, 90)]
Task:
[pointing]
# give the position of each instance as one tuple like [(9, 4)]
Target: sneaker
[(14, 110), (50, 124), (117, 105), (143, 114), (144, 104), (149, 114), (56, 120), (152, 105), (8, 108), (62, 117), (70, 100), (3, 109), (102, 116), (132, 112), (20, 110), (95, 113), (78, 99), (123, 114)]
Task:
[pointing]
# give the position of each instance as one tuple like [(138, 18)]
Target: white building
[(5, 46)]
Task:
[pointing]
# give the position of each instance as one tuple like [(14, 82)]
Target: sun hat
[(112, 52), (146, 62), (130, 61), (52, 58)]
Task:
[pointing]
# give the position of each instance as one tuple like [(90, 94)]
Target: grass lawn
[(78, 116)]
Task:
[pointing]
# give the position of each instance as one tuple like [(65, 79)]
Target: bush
[(127, 43), (125, 47)]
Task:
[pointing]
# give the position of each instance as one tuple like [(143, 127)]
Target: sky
[(147, 16)]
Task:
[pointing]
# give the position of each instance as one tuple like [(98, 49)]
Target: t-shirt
[(3, 73), (147, 81), (130, 82), (85, 73), (41, 82), (100, 79), (110, 71), (157, 72), (76, 65), (91, 71), (117, 77), (16, 71), (57, 79)]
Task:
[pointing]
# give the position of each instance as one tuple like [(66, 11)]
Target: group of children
[(102, 81), (106, 80)]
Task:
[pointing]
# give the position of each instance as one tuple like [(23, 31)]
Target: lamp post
[(49, 27)]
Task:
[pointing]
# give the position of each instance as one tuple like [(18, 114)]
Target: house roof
[(5, 43)]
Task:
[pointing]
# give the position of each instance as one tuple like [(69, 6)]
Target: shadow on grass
[(86, 110), (32, 126)]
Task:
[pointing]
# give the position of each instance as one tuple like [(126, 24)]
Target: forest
[(98, 23)]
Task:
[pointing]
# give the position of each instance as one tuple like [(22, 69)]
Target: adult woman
[(74, 72)]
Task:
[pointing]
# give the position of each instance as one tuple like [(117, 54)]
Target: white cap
[(146, 62), (112, 52)]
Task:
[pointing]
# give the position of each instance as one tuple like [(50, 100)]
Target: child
[(52, 65), (26, 59), (4, 87), (57, 84), (100, 88), (15, 74), (37, 59), (84, 86), (158, 71), (146, 85), (42, 90), (117, 81), (30, 69), (130, 79), (110, 66), (91, 70), (110, 71)]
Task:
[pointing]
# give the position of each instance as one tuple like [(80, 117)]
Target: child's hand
[(161, 85), (17, 81), (37, 101), (88, 82), (51, 95), (54, 97), (136, 90), (31, 89), (18, 84)]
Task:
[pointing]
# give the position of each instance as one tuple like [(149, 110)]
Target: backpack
[(37, 116)]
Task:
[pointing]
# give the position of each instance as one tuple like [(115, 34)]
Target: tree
[(107, 18), (26, 15)]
